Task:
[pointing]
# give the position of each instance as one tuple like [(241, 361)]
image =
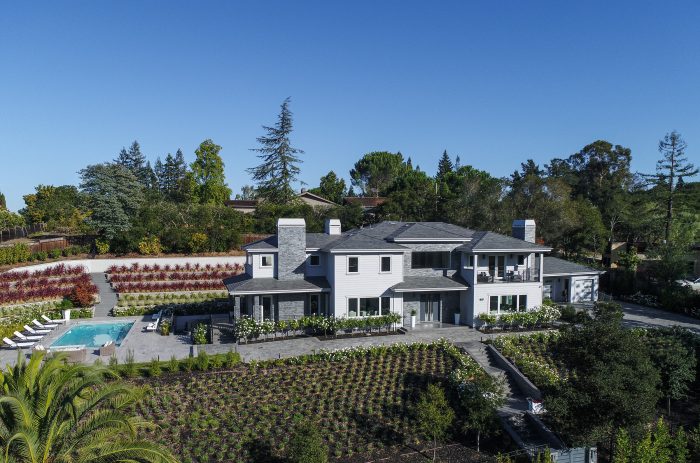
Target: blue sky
[(493, 82)]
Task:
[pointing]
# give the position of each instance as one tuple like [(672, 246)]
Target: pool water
[(94, 335)]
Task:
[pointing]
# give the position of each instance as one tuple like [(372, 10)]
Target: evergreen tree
[(409, 163), (113, 196), (3, 201), (135, 162), (458, 163), (279, 169), (247, 193), (331, 187), (208, 174), (672, 165), (444, 166), (351, 192)]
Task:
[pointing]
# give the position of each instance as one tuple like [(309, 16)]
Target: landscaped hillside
[(362, 404)]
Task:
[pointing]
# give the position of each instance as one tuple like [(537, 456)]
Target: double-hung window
[(385, 264), (353, 264)]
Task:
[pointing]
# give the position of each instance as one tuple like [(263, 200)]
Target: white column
[(541, 267)]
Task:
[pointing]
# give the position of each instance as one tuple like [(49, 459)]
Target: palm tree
[(54, 412)]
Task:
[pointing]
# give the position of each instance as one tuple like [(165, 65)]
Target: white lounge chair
[(152, 326), (48, 320), (17, 345), (24, 338), (37, 332), (48, 326)]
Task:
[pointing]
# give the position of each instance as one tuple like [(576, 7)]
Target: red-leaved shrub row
[(31, 283), (172, 276), (161, 286), (138, 268), (57, 271), (40, 288)]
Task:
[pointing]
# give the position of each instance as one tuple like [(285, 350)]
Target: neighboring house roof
[(365, 202), (245, 284), (556, 266), (430, 283), (490, 241), (313, 197), (235, 203)]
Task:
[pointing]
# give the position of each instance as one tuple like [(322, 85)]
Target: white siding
[(263, 272), (319, 270), (482, 293), (368, 282)]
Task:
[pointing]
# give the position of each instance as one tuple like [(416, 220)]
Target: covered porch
[(435, 300)]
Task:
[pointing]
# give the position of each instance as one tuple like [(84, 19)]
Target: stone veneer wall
[(291, 257), (290, 306)]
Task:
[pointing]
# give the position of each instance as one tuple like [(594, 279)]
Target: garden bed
[(361, 400), (42, 285), (138, 278)]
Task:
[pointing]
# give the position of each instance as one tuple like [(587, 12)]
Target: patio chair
[(151, 326), (24, 338), (31, 330), (107, 349), (48, 326), (55, 321), (18, 345)]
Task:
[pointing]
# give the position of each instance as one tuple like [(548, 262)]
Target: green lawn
[(361, 403)]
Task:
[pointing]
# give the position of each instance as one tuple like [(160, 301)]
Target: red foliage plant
[(82, 295)]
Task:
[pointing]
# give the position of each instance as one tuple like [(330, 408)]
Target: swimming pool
[(94, 334)]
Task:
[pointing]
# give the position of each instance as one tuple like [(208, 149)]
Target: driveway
[(647, 317)]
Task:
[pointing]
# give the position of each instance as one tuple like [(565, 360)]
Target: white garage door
[(584, 290)]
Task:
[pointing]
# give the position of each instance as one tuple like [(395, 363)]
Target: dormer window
[(314, 260), (266, 260)]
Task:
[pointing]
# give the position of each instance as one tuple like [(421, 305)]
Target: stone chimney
[(524, 230), (291, 245), (332, 227)]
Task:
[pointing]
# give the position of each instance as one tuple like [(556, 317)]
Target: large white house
[(434, 268)]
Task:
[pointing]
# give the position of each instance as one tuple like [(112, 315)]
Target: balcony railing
[(522, 276)]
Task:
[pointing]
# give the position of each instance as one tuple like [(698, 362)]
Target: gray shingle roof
[(319, 240), (245, 284), (268, 243), (360, 241), (491, 240), (425, 283), (556, 266), (430, 230)]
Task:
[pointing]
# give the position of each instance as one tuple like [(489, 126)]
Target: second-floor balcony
[(509, 276)]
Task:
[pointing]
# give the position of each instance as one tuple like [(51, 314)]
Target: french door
[(267, 308), (430, 307)]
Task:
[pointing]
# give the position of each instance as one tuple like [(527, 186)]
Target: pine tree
[(672, 165), (278, 170), (458, 163), (409, 163), (3, 201), (135, 162), (444, 166), (351, 192)]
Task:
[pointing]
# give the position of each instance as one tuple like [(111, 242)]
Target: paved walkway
[(108, 298), (301, 346)]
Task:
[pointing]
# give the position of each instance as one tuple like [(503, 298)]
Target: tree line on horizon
[(580, 203)]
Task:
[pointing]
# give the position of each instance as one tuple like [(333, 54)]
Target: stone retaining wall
[(525, 385), (101, 265)]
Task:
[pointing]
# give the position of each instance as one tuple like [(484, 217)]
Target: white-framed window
[(385, 264), (266, 260), (508, 303), (368, 306), (353, 264), (314, 260)]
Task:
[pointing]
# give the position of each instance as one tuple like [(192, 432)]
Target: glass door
[(315, 304), (430, 307), (267, 308)]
